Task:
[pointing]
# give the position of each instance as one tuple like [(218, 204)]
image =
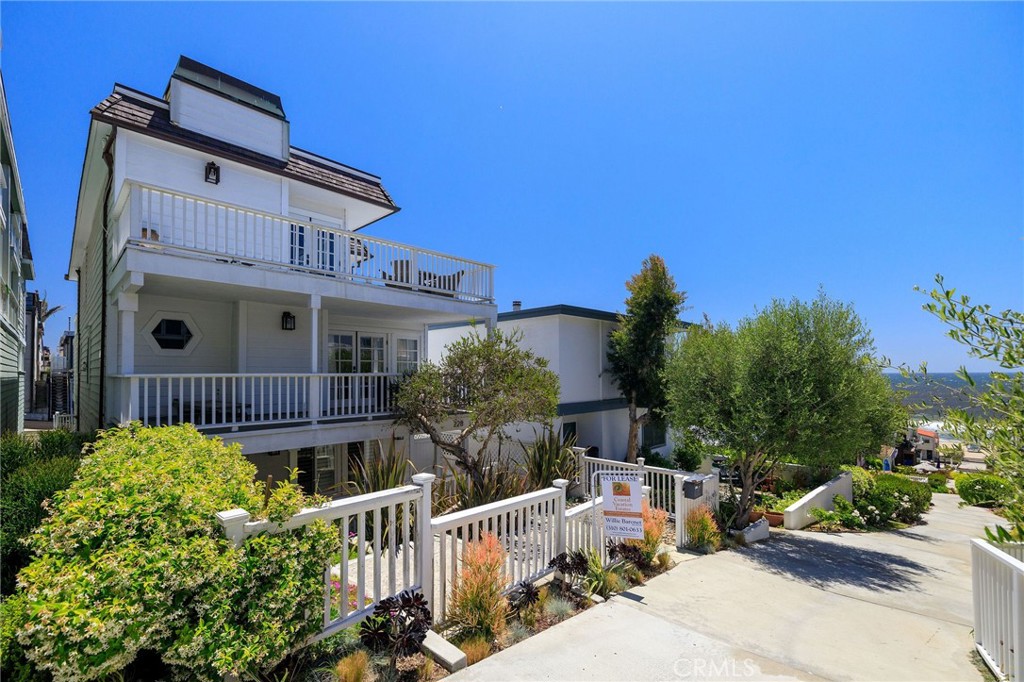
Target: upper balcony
[(150, 217)]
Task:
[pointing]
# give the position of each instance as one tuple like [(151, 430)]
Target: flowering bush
[(894, 498), (133, 558), (843, 517), (982, 491)]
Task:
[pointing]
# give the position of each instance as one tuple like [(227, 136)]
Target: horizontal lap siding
[(12, 383), (211, 354), (90, 335)]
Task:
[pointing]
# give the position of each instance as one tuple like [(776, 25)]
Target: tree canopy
[(484, 383), (797, 382), (636, 351)]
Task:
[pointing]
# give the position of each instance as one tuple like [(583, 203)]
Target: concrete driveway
[(852, 606)]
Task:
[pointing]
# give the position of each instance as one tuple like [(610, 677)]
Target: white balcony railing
[(235, 400), (997, 571), (169, 219)]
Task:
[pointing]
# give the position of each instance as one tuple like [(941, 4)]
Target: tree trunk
[(634, 433)]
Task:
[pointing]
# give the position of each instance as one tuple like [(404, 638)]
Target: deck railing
[(156, 217), (233, 400), (661, 481), (997, 571)]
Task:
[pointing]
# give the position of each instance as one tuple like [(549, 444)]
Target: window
[(568, 431), (408, 356), (653, 435), (371, 354), (172, 334)]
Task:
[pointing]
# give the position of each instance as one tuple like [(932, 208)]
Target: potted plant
[(775, 511)]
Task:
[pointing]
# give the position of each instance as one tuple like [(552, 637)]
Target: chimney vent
[(517, 306)]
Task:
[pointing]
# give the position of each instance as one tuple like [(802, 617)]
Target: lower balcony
[(252, 401)]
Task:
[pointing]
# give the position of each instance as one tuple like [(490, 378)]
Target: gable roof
[(143, 114)]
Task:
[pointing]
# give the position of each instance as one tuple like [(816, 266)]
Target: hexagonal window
[(172, 334)]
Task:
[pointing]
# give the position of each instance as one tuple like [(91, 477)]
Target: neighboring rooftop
[(224, 84)]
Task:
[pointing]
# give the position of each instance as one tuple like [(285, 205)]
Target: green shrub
[(13, 664), (937, 482), (895, 498), (984, 490), (133, 559), (688, 458), (862, 481), (21, 508), (873, 463), (61, 443), (844, 516), (16, 450)]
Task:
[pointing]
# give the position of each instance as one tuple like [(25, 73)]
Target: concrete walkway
[(804, 606)]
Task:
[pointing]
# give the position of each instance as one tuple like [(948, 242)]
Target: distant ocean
[(930, 397)]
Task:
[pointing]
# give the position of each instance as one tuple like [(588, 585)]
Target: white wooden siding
[(89, 335), (213, 354), (204, 112), (162, 164)]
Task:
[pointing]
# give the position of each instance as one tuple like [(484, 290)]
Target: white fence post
[(680, 513), (560, 529), (640, 470), (233, 522), (425, 539)]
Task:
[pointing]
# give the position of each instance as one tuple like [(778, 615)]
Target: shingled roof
[(144, 116)]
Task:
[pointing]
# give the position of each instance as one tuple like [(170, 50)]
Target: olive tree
[(997, 420), (484, 383), (636, 349), (797, 382)]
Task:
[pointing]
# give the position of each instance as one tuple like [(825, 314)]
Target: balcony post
[(127, 306)]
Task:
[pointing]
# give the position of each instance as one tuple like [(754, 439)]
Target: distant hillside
[(929, 398)]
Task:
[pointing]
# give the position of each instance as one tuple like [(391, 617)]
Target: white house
[(574, 341), (15, 269), (228, 279)]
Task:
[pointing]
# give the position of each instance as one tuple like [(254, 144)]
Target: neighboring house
[(63, 374), (15, 269), (575, 343), (225, 279), (926, 441)]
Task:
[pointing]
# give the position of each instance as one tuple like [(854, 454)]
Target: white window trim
[(147, 333)]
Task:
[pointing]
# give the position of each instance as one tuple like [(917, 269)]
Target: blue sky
[(761, 149)]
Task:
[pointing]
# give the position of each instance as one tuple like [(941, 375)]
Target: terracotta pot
[(775, 519), (756, 516)]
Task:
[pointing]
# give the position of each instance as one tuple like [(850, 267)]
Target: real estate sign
[(621, 495)]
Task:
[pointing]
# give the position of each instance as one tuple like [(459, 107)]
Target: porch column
[(127, 306), (314, 357), (242, 337)]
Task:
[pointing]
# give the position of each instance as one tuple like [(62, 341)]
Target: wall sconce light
[(287, 322), (213, 173)]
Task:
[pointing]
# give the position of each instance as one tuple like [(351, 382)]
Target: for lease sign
[(621, 495)]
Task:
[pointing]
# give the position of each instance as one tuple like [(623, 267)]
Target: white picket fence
[(530, 527), (998, 576), (662, 482), (396, 545), (64, 421), (378, 529)]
